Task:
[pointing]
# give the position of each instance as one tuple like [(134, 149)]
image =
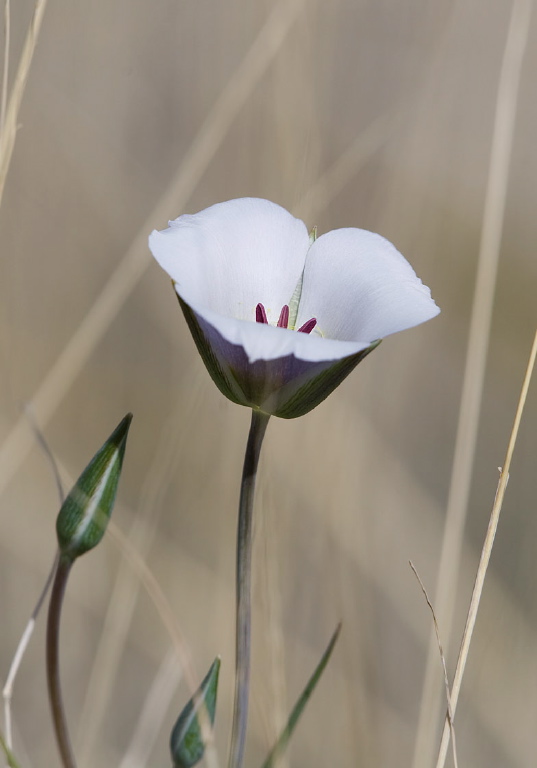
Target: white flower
[(244, 267)]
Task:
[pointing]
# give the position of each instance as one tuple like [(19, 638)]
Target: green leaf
[(85, 513), (294, 717), (186, 741), (10, 757)]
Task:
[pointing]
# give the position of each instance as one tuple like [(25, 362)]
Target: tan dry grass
[(476, 358), (353, 489)]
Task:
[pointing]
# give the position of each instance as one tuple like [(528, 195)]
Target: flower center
[(283, 322)]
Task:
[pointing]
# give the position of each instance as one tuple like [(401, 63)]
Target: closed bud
[(186, 742), (85, 513)]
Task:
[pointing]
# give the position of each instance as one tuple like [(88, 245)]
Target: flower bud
[(186, 741), (84, 515)]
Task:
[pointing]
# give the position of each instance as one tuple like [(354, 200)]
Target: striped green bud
[(85, 513), (186, 742)]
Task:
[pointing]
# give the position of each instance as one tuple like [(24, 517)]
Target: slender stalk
[(244, 583), (53, 663), (485, 555), (7, 691)]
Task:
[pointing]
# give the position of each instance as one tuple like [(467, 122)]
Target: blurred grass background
[(371, 114)]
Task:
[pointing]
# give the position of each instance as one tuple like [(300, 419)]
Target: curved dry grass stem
[(474, 374), (7, 691), (60, 377), (449, 716), (485, 555)]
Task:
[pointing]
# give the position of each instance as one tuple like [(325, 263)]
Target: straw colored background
[(371, 114)]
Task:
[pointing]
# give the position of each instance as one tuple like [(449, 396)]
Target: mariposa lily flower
[(281, 317)]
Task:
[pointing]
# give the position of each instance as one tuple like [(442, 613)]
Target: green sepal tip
[(84, 515), (303, 699), (186, 740)]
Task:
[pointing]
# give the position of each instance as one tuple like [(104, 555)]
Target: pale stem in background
[(443, 660), (60, 377), (476, 356), (157, 701), (485, 555), (167, 616), (5, 72), (244, 588), (7, 692), (9, 126)]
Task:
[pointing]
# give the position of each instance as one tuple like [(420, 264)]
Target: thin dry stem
[(148, 727), (485, 554), (9, 126), (465, 445), (7, 692), (167, 616), (330, 183), (5, 71), (444, 667)]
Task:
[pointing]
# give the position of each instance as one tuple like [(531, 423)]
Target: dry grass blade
[(443, 660), (485, 554), (7, 692), (167, 616), (158, 699), (5, 71), (369, 141), (502, 142), (129, 271), (9, 126)]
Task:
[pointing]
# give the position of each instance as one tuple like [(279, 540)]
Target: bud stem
[(243, 586), (53, 662)]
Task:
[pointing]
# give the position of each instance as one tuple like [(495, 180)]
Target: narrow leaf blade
[(303, 699)]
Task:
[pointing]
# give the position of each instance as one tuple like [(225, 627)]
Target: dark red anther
[(283, 322), (309, 326), (260, 314)]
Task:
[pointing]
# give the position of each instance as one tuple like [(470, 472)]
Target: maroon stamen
[(283, 322), (260, 314), (309, 326)]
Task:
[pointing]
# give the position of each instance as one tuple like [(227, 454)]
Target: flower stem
[(244, 580), (53, 662)]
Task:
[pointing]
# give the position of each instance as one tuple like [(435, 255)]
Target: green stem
[(244, 582), (53, 663)]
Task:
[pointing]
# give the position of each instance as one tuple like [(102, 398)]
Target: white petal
[(234, 255), (359, 287), (265, 342)]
